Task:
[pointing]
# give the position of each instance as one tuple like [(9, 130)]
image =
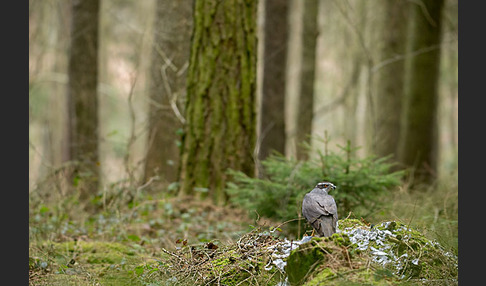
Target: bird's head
[(326, 186)]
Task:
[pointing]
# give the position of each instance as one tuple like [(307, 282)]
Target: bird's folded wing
[(327, 203), (313, 206)]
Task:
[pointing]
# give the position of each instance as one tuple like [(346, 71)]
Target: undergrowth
[(124, 225), (278, 193), (433, 210), (127, 232), (242, 262)]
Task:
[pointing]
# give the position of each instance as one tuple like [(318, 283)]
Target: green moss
[(321, 277), (231, 271), (420, 257), (95, 252), (335, 260), (357, 277), (340, 239), (303, 260), (350, 223), (89, 263), (99, 255)]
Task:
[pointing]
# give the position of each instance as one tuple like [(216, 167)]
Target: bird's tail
[(327, 227)]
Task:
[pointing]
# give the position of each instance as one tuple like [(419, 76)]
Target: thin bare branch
[(397, 58), (425, 12)]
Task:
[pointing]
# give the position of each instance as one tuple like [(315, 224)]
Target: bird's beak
[(334, 187)]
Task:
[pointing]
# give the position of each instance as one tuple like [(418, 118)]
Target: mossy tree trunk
[(83, 97), (418, 143), (389, 77), (170, 55), (272, 107), (220, 109), (305, 111)]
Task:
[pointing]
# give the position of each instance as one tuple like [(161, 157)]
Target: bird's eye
[(326, 185)]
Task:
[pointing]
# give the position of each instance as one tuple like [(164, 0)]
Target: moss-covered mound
[(389, 253), (246, 262)]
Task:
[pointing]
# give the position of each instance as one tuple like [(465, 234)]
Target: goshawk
[(320, 210)]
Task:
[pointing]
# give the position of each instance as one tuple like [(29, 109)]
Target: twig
[(165, 80), (327, 252), (146, 184), (425, 12), (174, 255), (132, 138), (288, 222), (347, 256), (397, 58)]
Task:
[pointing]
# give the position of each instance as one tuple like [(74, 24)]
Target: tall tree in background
[(305, 102), (59, 117), (83, 99), (220, 110), (418, 143), (389, 77), (170, 56), (49, 36), (272, 108)]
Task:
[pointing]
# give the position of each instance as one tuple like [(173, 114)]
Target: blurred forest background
[(148, 117)]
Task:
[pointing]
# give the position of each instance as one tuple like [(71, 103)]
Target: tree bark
[(272, 108), (305, 102), (220, 109), (170, 55), (418, 148), (83, 99)]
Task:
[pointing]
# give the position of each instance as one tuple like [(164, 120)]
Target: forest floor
[(126, 243), (70, 245)]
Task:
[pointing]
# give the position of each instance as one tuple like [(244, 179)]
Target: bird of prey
[(320, 210)]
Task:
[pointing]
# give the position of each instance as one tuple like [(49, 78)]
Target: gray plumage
[(320, 210)]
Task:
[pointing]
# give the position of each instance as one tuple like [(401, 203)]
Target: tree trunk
[(305, 102), (418, 147), (83, 100), (170, 56), (272, 108), (389, 78), (220, 109)]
